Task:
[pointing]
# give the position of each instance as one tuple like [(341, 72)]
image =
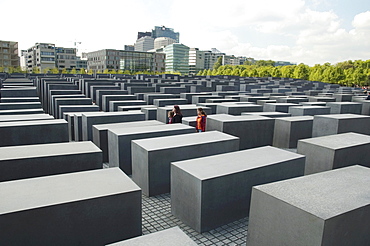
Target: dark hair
[(202, 111), (177, 109)]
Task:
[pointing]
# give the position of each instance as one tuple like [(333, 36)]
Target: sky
[(299, 31)]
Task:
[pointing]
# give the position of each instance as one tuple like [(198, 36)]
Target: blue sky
[(310, 31)]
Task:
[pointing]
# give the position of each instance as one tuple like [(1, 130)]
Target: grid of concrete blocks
[(92, 160)]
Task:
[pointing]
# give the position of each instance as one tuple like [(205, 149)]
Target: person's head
[(201, 111), (171, 114), (176, 109)]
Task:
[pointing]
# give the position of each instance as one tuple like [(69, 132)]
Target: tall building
[(65, 58), (129, 47), (162, 31), (100, 60), (23, 60), (41, 56), (163, 41), (177, 58), (143, 34), (211, 57), (144, 44), (47, 56), (196, 60), (9, 54)]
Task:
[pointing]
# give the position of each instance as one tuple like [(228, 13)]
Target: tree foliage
[(347, 73)]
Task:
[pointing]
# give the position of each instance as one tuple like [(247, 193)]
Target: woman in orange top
[(201, 120)]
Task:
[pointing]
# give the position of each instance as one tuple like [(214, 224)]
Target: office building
[(162, 31), (144, 44), (111, 59), (163, 42), (196, 60), (177, 58), (65, 58), (143, 34), (46, 56), (129, 47), (9, 54)]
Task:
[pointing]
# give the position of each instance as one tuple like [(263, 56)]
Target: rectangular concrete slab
[(83, 208), (33, 132), (329, 208), (28, 161), (151, 157), (167, 237), (288, 130), (253, 130), (119, 141), (339, 123), (100, 133), (335, 151), (212, 191), (90, 119)]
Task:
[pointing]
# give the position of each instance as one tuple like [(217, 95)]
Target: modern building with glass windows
[(162, 31), (144, 44), (177, 58), (110, 59), (46, 56), (9, 54)]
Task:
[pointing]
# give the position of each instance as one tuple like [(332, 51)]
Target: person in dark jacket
[(177, 118)]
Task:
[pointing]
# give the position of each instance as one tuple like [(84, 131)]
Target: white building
[(163, 42), (144, 44)]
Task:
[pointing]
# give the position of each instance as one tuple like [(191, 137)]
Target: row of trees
[(347, 73), (75, 71)]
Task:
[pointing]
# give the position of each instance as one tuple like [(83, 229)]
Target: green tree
[(218, 63), (82, 71), (73, 71), (106, 71), (64, 71), (301, 71), (35, 70)]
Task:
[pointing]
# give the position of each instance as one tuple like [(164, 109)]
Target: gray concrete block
[(28, 161), (149, 98), (202, 98), (212, 191), (334, 151), (25, 117), (330, 208), (167, 237), (96, 118), (76, 108), (339, 123), (238, 109), (268, 114), (113, 105), (344, 107), (253, 131), (22, 111), (33, 132), (150, 113), (69, 101), (296, 100), (119, 141), (107, 98), (309, 110), (289, 130), (169, 101), (83, 208), (100, 93), (100, 133), (321, 99), (278, 107), (151, 157), (20, 105)]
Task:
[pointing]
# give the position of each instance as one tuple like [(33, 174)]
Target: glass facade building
[(177, 58), (162, 31), (98, 61)]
